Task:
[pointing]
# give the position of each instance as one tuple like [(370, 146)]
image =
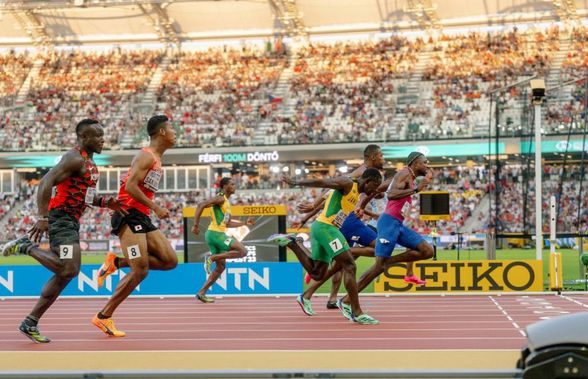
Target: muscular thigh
[(134, 247), (159, 246)]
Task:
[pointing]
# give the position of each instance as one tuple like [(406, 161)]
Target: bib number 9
[(66, 251)]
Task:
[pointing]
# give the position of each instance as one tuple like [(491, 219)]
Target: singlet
[(338, 206), (378, 206), (149, 185), (76, 193), (220, 215), (399, 208)]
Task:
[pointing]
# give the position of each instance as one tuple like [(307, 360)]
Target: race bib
[(405, 211), (227, 218), (152, 179), (90, 195), (339, 219)]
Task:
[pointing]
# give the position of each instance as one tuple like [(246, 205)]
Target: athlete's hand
[(305, 207), (289, 181), (425, 183), (196, 229), (250, 221), (38, 230), (161, 212), (359, 213), (116, 205)]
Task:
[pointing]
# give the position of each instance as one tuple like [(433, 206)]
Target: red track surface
[(407, 322)]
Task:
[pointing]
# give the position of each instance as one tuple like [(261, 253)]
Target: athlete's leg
[(213, 277), (134, 247)]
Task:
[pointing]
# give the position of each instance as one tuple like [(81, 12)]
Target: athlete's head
[(369, 181), (418, 163), (373, 157), (227, 186), (160, 127), (90, 135)]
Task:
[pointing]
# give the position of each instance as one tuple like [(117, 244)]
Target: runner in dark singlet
[(144, 246), (74, 181)]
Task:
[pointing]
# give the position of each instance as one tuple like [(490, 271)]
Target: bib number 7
[(336, 245)]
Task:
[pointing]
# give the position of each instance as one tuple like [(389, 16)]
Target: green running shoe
[(205, 299), (32, 332), (345, 309), (365, 319), (208, 263), (18, 246), (282, 239), (306, 305)]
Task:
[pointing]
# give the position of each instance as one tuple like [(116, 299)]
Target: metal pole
[(538, 189), (497, 190)]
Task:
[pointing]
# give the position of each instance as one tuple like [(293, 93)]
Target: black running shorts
[(64, 229), (137, 221)]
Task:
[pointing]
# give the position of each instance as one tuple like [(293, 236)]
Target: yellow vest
[(338, 206), (220, 215)]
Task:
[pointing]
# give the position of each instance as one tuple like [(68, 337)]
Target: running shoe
[(18, 246), (332, 305), (282, 239), (415, 280), (107, 326), (205, 299), (345, 309), (208, 263), (365, 319), (32, 333), (107, 268), (306, 305)]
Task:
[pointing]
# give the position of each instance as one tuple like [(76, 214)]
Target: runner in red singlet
[(143, 244), (73, 182)]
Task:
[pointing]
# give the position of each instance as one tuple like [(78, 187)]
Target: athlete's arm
[(217, 200), (398, 187), (238, 223), (309, 208), (71, 164), (341, 183), (309, 216), (139, 168)]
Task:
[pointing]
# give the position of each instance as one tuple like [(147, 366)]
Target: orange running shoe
[(107, 326), (107, 268)]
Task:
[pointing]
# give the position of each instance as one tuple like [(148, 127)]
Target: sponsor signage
[(465, 276), (256, 156), (49, 160), (574, 146), (439, 150), (238, 278), (244, 210)]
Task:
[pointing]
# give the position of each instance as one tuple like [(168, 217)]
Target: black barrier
[(424, 374)]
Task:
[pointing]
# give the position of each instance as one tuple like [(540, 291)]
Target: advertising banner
[(465, 276), (266, 278)]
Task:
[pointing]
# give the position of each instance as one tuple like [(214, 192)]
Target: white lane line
[(508, 316), (574, 301)]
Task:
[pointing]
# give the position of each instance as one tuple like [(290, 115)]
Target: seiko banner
[(238, 279), (466, 276)]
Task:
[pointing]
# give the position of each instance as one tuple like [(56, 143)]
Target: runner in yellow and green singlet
[(328, 244), (222, 246)]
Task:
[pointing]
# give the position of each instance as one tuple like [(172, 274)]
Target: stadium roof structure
[(89, 22)]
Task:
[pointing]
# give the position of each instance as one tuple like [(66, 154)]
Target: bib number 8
[(133, 252)]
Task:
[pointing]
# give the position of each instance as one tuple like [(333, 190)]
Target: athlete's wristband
[(44, 218)]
